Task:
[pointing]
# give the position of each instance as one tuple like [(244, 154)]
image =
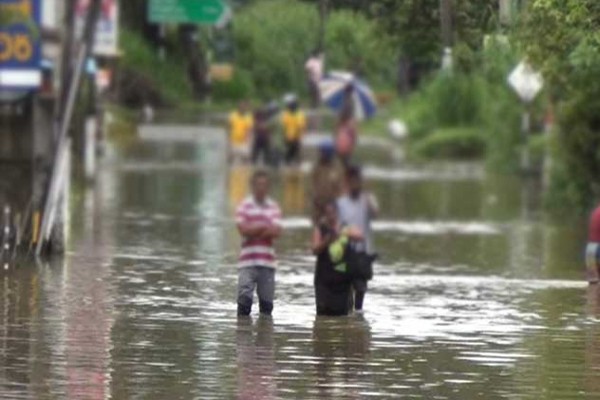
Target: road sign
[(188, 11), (106, 42), (20, 50), (526, 81)]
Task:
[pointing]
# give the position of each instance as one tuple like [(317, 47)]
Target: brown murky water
[(476, 296)]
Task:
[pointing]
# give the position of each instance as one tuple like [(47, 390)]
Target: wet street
[(476, 296)]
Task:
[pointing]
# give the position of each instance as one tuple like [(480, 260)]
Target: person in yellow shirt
[(241, 123), (294, 126)]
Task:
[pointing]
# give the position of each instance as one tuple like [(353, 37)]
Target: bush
[(456, 99), (466, 143), (274, 38), (238, 88), (446, 101), (562, 40), (354, 43), (147, 77)]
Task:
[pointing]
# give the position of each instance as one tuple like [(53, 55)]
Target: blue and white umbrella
[(333, 93)]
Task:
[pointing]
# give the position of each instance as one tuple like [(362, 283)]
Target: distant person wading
[(314, 73), (333, 281), (592, 255), (357, 209), (261, 145), (241, 123), (294, 126)]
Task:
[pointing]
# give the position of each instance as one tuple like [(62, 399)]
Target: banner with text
[(20, 44)]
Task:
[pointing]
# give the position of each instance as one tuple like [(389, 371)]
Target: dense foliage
[(561, 38), (272, 39), (276, 65)]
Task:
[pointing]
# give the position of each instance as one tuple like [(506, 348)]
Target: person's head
[(261, 184), (243, 107), (291, 102), (354, 180), (293, 106), (316, 53), (326, 152), (349, 90), (346, 115), (329, 215)]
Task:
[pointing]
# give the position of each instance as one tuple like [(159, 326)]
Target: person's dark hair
[(354, 171), (322, 212), (347, 114), (260, 174)]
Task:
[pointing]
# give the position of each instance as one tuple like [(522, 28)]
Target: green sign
[(188, 11)]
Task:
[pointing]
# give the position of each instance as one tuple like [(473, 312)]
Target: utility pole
[(323, 8), (447, 32), (67, 57), (61, 163), (506, 11)]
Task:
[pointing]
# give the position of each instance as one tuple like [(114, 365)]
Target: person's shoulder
[(271, 202), (343, 199), (247, 203)]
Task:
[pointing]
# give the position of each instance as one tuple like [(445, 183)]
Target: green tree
[(561, 38), (273, 39)]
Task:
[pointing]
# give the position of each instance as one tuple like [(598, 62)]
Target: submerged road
[(475, 297)]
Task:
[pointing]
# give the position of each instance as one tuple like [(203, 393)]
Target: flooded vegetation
[(476, 295)]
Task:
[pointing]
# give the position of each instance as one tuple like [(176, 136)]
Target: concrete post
[(43, 153), (447, 33), (525, 130), (89, 156)]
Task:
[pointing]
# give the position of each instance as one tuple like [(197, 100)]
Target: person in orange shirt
[(294, 127), (241, 123)]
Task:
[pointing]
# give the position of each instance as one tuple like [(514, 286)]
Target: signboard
[(189, 11), (526, 81), (221, 72), (107, 31), (20, 48)]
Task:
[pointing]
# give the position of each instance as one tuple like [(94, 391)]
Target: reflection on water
[(255, 359), (476, 296)]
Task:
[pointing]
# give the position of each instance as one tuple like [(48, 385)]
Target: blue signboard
[(20, 44)]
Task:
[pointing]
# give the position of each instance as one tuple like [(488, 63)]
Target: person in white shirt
[(314, 73), (358, 208)]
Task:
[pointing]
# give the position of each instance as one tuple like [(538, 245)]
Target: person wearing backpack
[(358, 208)]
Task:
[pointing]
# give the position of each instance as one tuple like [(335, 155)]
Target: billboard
[(107, 31), (20, 44)]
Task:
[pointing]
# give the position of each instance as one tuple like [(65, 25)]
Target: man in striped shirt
[(259, 223)]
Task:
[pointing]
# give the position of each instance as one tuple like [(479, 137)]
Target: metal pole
[(62, 147), (447, 34), (67, 55), (446, 22), (525, 130), (323, 7), (162, 55)]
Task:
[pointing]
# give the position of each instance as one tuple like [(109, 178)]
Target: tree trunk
[(197, 66), (446, 21), (323, 8)]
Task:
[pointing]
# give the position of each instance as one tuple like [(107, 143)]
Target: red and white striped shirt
[(257, 252)]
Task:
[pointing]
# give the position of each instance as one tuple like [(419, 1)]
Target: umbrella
[(333, 93)]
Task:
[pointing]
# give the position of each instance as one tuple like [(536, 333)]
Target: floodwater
[(476, 296)]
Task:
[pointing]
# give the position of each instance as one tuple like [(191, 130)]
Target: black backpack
[(359, 263)]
